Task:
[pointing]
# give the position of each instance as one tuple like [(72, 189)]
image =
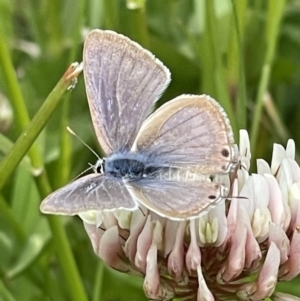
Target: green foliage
[(246, 54)]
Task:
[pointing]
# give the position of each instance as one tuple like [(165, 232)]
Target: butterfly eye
[(99, 166)]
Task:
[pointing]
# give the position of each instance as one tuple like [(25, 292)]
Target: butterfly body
[(130, 165), (162, 160)]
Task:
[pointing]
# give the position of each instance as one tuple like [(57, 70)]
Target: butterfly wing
[(189, 131), (91, 192), (123, 81), (177, 200)]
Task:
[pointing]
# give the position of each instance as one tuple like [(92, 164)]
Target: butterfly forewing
[(123, 81), (190, 131), (91, 192), (177, 200)]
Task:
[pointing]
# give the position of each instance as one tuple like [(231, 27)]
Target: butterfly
[(164, 160)]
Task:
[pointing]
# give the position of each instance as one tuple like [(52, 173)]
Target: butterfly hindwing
[(177, 200), (190, 131)]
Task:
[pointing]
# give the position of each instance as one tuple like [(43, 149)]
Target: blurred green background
[(246, 54)]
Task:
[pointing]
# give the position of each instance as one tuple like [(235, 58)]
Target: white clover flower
[(236, 251)]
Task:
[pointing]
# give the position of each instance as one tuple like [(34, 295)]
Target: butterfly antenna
[(237, 197), (91, 167), (73, 133)]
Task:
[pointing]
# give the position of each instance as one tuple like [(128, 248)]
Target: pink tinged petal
[(110, 250), (255, 195), (213, 227), (233, 211), (280, 239), (286, 184), (244, 159), (157, 234), (151, 285), (256, 191), (247, 194), (286, 175), (176, 258), (204, 294), (253, 252), (244, 149), (170, 236), (294, 202), (94, 234), (291, 149), (263, 167), (236, 256), (267, 278), (295, 169), (219, 218), (242, 177), (279, 209), (143, 245), (291, 268), (193, 255), (276, 206), (261, 191), (252, 249), (284, 297), (155, 217), (289, 175), (109, 219), (261, 223), (278, 155), (136, 226)]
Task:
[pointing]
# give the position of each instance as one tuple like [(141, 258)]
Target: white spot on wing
[(90, 187)]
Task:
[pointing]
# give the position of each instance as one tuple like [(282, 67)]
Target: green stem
[(16, 97), (275, 12), (9, 216), (26, 139), (63, 248), (111, 14), (272, 111), (67, 261), (242, 94), (65, 153), (4, 293), (98, 286), (95, 13), (10, 162), (138, 24), (218, 72)]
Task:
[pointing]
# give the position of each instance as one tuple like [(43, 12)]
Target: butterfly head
[(99, 166)]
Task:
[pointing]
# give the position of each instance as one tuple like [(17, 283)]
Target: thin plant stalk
[(29, 135), (13, 158), (241, 108), (218, 71), (275, 13)]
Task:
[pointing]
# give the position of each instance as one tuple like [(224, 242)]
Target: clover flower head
[(238, 250)]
